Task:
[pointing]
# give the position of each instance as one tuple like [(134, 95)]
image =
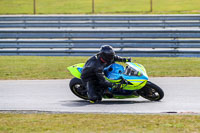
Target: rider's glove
[(127, 59), (116, 87)]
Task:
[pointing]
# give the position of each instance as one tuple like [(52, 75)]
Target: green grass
[(101, 6), (33, 67), (99, 123)]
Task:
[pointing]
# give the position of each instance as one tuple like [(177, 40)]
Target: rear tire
[(151, 92), (78, 89)]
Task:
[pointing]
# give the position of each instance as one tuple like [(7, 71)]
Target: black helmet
[(107, 53)]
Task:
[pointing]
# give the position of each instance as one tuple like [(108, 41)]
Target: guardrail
[(140, 42), (100, 21), (69, 34), (170, 43)]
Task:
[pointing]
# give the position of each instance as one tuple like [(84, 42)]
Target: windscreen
[(131, 72)]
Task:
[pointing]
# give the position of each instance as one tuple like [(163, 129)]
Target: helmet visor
[(109, 58)]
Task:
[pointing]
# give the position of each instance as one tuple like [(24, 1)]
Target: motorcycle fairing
[(123, 97), (115, 72), (76, 69)]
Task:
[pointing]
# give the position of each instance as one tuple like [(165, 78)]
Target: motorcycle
[(133, 80)]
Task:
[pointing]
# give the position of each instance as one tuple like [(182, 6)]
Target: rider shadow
[(123, 102), (75, 103), (79, 103)]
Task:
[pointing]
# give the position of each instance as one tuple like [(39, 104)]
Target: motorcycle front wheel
[(78, 89), (151, 92)]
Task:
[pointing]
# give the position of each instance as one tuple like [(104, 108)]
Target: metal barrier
[(70, 40), (85, 42), (100, 21)]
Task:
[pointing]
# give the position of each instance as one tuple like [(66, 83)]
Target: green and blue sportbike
[(132, 78)]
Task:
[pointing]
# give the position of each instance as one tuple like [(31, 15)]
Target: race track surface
[(182, 95)]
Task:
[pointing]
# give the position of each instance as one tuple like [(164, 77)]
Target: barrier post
[(34, 6), (151, 5), (93, 6)]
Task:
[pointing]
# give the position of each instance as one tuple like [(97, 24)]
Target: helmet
[(107, 53)]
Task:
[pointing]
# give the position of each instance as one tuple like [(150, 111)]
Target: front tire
[(151, 92), (78, 89)]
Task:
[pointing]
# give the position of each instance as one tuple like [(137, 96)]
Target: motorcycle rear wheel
[(78, 89), (151, 92)]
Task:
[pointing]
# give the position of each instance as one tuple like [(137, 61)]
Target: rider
[(93, 72)]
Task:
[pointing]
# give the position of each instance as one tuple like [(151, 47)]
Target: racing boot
[(96, 100), (92, 96)]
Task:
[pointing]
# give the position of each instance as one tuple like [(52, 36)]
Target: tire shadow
[(79, 103)]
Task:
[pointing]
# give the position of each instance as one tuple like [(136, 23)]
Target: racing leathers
[(93, 76)]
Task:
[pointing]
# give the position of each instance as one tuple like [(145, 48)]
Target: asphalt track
[(182, 95)]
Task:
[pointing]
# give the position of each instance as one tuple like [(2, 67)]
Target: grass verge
[(101, 6), (90, 123), (33, 67)]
